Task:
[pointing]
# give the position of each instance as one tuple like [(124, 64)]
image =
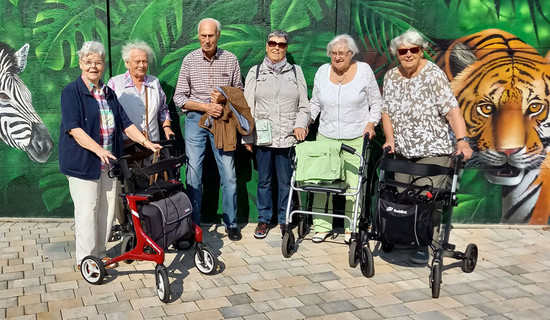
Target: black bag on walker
[(405, 217), (168, 220)]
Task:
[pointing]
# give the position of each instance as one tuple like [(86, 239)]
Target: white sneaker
[(319, 237)]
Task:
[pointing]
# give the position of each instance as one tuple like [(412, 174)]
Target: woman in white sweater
[(347, 96)]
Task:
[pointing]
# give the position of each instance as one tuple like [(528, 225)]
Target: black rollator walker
[(339, 187), (403, 215)]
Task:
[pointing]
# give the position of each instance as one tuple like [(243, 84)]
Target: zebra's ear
[(21, 57)]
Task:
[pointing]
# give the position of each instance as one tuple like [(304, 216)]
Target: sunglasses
[(413, 50), (281, 45)]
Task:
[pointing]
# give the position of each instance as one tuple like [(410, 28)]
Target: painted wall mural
[(493, 51)]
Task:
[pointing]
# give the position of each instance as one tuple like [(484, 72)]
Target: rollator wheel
[(209, 264), (163, 285), (353, 254), (387, 246), (469, 264), (92, 269), (435, 279), (302, 228), (287, 246), (367, 262), (128, 244)]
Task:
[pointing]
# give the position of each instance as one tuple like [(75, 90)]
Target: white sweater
[(346, 109)]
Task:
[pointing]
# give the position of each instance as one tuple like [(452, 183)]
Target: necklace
[(340, 79)]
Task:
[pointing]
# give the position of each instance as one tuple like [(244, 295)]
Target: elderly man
[(202, 71), (141, 95)]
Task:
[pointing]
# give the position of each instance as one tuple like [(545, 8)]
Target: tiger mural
[(503, 88)]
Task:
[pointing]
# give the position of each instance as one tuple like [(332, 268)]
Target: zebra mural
[(20, 125)]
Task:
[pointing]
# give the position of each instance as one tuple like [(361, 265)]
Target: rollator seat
[(334, 187)]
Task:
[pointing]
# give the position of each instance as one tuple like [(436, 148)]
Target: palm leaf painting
[(67, 21), (380, 21), (535, 9)]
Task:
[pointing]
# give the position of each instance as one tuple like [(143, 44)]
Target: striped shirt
[(198, 76), (106, 120)]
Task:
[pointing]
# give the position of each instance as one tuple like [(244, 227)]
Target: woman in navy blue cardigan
[(92, 123)]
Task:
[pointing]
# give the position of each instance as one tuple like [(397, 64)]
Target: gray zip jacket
[(281, 98)]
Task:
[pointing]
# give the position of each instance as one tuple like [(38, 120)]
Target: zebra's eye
[(4, 96), (535, 108), (485, 109)]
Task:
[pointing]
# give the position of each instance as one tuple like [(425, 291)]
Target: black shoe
[(234, 234)]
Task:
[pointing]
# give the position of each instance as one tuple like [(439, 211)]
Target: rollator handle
[(122, 164), (387, 152), (366, 144), (347, 148)]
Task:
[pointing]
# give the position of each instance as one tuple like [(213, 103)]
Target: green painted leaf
[(291, 15), (380, 21), (67, 22)]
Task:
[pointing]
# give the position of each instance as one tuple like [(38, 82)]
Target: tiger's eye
[(485, 109), (535, 108)]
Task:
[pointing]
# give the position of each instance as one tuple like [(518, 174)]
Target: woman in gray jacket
[(276, 92)]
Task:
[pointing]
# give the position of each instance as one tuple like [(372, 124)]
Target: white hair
[(91, 47), (345, 39), (218, 24), (137, 45), (411, 37)]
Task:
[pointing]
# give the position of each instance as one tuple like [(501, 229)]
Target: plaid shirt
[(198, 76), (106, 120)]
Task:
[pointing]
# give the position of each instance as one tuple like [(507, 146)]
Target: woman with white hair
[(347, 96), (419, 106), (140, 94), (92, 123)]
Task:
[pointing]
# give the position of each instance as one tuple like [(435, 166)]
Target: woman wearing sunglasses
[(276, 92), (419, 106), (347, 97)]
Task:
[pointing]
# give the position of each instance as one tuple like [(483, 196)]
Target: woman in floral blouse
[(419, 106)]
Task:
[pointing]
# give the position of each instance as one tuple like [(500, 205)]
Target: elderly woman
[(346, 94), (419, 106), (140, 94), (276, 92), (92, 123)]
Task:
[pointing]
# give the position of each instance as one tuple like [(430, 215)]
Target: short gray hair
[(218, 24), (410, 37), (137, 45), (279, 34), (343, 38), (91, 47)]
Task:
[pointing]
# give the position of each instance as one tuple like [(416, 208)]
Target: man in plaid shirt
[(202, 71)]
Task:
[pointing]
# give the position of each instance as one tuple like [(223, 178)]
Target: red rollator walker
[(164, 210)]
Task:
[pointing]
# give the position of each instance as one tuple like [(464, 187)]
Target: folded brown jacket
[(236, 116)]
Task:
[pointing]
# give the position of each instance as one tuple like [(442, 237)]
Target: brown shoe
[(105, 260)]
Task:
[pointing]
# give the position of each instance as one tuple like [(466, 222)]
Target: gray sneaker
[(422, 256)]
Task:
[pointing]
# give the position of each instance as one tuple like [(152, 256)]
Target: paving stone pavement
[(39, 279)]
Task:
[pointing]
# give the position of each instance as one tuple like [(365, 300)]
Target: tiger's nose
[(510, 151)]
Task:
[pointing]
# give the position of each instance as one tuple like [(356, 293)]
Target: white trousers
[(94, 209)]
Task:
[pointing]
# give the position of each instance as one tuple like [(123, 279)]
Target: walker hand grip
[(347, 148), (387, 151)]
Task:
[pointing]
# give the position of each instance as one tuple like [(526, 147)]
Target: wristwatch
[(466, 139)]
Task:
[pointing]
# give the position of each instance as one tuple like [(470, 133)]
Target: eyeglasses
[(413, 50), (281, 45), (90, 64), (340, 54)]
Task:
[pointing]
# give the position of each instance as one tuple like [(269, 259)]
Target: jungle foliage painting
[(31, 185)]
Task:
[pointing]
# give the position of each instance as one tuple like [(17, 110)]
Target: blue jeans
[(270, 160), (195, 146)]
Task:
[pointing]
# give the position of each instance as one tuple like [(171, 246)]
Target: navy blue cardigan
[(79, 109)]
